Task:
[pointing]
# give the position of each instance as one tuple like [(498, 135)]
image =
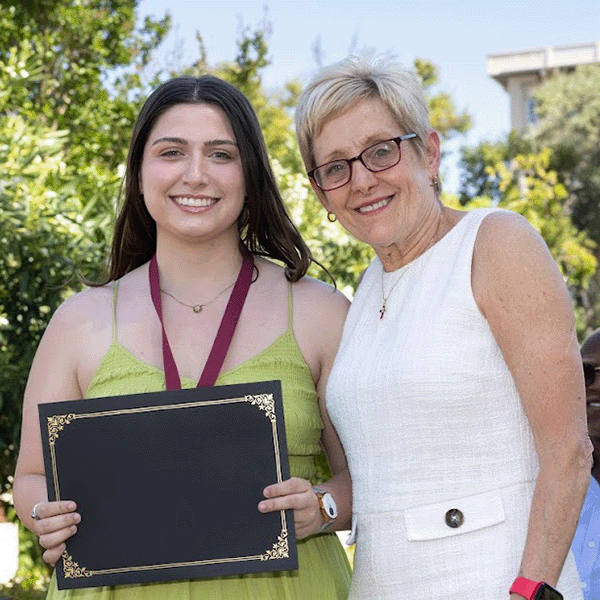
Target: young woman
[(199, 197)]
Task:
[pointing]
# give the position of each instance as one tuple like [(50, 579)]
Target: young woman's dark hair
[(264, 225)]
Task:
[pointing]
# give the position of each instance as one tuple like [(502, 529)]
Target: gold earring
[(331, 217), (435, 184)]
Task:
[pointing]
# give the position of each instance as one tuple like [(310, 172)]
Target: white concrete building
[(519, 72)]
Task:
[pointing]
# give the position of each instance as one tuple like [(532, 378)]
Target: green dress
[(324, 571)]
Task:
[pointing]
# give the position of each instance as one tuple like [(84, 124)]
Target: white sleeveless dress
[(434, 431)]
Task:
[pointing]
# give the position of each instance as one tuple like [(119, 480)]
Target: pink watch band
[(525, 587)]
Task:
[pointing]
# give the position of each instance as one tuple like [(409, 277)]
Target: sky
[(455, 35)]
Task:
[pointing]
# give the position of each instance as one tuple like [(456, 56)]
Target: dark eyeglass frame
[(349, 161), (589, 373)]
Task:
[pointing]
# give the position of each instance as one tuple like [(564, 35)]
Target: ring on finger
[(34, 514)]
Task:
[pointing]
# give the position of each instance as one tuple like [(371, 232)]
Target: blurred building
[(520, 72)]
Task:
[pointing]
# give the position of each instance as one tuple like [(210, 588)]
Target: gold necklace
[(197, 308), (385, 298)]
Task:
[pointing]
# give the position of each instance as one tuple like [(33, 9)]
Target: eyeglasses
[(378, 157), (589, 373)]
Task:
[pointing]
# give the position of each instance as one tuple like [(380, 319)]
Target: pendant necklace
[(197, 308), (384, 297), (215, 359)]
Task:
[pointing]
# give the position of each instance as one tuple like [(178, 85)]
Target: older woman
[(457, 391)]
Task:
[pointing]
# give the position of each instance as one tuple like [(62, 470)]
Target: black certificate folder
[(168, 483)]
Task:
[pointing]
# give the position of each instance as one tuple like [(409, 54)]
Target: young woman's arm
[(53, 377)]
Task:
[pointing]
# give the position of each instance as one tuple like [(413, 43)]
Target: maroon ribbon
[(224, 335)]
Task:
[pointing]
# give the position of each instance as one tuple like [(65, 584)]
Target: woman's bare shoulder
[(506, 234), (510, 254), (320, 310), (71, 340), (88, 306), (314, 301), (94, 305), (80, 324), (310, 290), (307, 289)]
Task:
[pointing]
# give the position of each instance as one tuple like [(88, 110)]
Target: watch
[(327, 505), (534, 590)]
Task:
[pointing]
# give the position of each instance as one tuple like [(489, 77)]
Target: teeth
[(196, 202), (372, 207)]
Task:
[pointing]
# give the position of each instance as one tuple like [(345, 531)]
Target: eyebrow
[(176, 140), (220, 143)]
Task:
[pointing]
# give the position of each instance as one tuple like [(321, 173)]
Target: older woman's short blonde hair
[(337, 87)]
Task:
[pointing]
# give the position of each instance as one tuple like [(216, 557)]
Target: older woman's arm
[(522, 295)]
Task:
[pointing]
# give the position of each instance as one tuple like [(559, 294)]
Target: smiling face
[(388, 207), (191, 174)]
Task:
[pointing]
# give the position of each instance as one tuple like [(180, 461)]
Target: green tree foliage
[(567, 135), (526, 183), (531, 188), (71, 49), (568, 112), (479, 175), (43, 236), (74, 66)]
